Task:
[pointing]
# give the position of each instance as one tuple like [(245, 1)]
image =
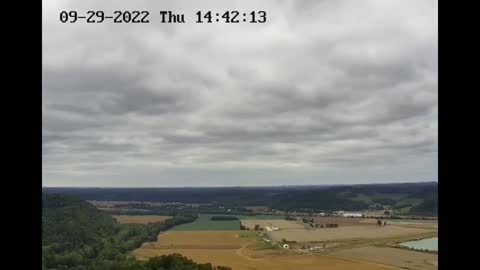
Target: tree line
[(223, 218), (75, 235)]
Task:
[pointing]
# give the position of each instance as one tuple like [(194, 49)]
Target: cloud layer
[(324, 92)]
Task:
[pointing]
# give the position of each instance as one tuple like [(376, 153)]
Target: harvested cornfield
[(345, 221), (415, 223), (200, 239), (346, 233)]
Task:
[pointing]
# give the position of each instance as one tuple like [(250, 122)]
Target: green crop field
[(204, 223), (248, 234)]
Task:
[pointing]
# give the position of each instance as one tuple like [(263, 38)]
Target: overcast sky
[(324, 92)]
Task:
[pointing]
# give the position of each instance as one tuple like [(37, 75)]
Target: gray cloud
[(324, 92)]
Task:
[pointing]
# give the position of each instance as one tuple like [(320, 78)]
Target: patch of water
[(426, 244)]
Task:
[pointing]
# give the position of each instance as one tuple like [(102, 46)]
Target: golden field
[(240, 252), (344, 221), (346, 233), (407, 259)]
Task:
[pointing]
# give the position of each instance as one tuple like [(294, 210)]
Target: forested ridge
[(419, 198), (429, 206), (75, 235)]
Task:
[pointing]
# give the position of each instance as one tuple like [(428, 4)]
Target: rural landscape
[(361, 227), (240, 135)]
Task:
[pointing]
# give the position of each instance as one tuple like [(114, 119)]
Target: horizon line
[(258, 186)]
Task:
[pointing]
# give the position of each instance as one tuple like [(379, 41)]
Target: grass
[(250, 234), (409, 203), (362, 198), (395, 197)]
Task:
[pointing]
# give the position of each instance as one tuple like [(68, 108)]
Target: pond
[(428, 244)]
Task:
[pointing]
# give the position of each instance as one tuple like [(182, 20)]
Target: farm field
[(280, 223), (406, 259), (205, 247), (415, 223), (204, 223), (351, 221), (201, 239), (140, 219), (346, 233)]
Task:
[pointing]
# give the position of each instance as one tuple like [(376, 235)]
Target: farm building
[(272, 228), (338, 213), (352, 214)]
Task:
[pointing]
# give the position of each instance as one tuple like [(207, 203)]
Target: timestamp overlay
[(163, 16)]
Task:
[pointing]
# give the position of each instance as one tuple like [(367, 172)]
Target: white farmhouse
[(271, 228), (352, 214)]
